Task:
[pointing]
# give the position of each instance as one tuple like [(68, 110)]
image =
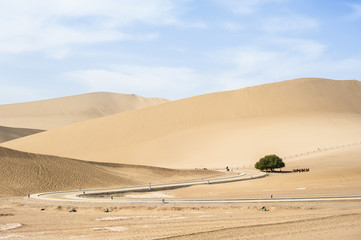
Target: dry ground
[(309, 220), (332, 173), (322, 220)]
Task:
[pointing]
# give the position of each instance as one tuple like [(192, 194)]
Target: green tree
[(269, 162)]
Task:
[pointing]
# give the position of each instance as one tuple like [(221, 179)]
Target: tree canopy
[(269, 162)]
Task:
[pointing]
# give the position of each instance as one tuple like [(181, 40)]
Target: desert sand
[(214, 130), (22, 173), (329, 221), (8, 133), (58, 112), (333, 173), (311, 123)]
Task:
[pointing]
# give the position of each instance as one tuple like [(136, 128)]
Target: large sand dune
[(226, 128), (22, 173), (8, 133), (53, 113)]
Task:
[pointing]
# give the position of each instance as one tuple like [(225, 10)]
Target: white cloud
[(158, 81), (38, 25), (291, 23), (245, 7)]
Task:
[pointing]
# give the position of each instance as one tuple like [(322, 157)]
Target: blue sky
[(172, 48)]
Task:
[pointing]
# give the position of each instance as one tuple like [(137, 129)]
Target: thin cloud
[(356, 10), (156, 81), (305, 47), (233, 26), (15, 94), (245, 7), (34, 26), (253, 65), (291, 23)]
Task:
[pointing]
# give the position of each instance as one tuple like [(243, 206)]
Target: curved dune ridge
[(225, 128), (8, 133), (58, 112), (22, 173)]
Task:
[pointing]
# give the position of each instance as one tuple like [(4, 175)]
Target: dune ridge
[(225, 128), (58, 112)]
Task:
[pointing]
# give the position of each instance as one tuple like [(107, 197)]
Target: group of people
[(301, 170)]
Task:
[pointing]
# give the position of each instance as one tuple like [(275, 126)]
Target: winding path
[(85, 195)]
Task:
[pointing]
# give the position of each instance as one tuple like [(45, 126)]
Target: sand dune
[(315, 117), (7, 133), (334, 173), (226, 128), (53, 113), (22, 173)]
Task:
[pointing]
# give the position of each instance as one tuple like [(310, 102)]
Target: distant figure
[(28, 195), (150, 186), (111, 197), (163, 201), (227, 169), (271, 196)]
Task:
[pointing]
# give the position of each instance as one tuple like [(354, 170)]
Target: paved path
[(78, 195)]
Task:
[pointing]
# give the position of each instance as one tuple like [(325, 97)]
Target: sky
[(172, 48)]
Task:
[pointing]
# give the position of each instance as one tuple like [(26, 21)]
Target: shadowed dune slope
[(8, 133), (22, 173), (58, 112), (225, 128)]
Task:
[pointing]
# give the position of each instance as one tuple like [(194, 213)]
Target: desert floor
[(36, 219), (23, 218)]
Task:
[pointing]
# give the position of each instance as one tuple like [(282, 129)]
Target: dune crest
[(225, 128), (58, 112)]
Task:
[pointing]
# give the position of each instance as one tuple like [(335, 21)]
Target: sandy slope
[(52, 113), (333, 173), (8, 133), (22, 173), (226, 128)]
